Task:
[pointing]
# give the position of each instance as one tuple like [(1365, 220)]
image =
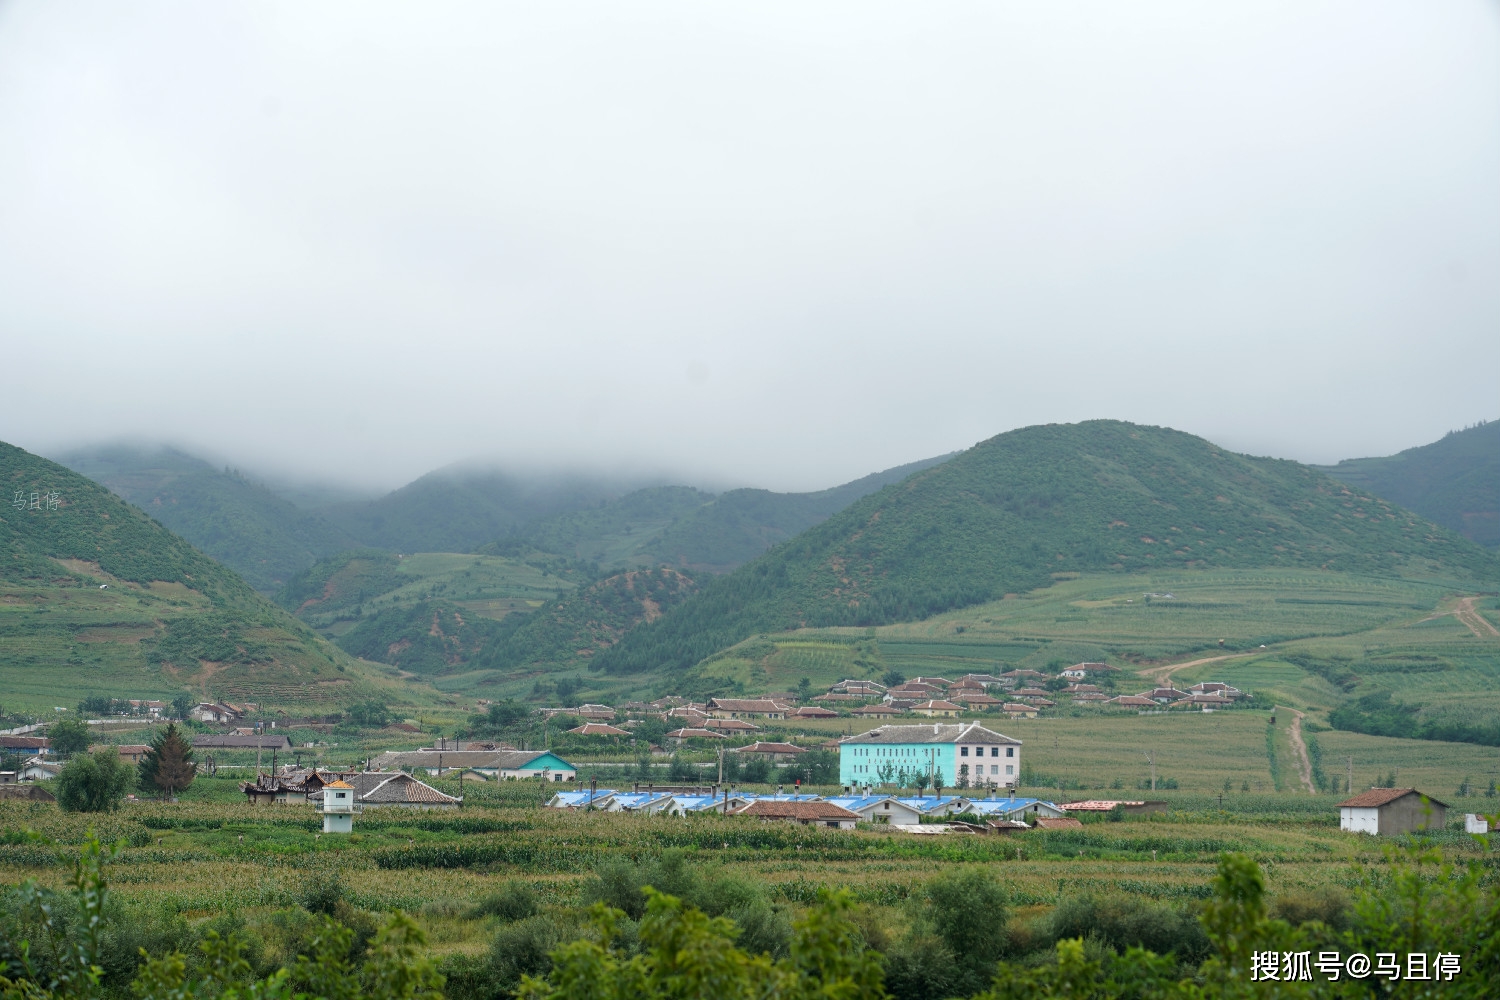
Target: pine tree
[(169, 763)]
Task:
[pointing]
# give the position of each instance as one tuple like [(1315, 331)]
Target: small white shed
[(1391, 812)]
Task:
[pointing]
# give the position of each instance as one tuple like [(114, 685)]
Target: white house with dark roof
[(949, 752)]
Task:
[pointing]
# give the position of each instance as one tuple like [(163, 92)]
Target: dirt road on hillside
[(1164, 673), (1299, 750), (1477, 623)]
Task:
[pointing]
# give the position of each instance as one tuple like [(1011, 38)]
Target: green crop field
[(489, 881)]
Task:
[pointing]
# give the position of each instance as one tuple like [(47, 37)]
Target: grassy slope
[(169, 618), (430, 612), (1010, 513), (1455, 481), (261, 536)]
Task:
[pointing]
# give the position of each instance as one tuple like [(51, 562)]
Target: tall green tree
[(94, 782), (182, 704), (168, 765), (68, 737)]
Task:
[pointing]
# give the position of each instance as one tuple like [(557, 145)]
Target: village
[(940, 776)]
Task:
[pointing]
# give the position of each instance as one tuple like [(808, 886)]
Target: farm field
[(210, 861)]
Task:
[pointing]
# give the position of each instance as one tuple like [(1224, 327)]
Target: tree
[(893, 678), (68, 737), (168, 765), (94, 782), (369, 714), (804, 689), (182, 704), (506, 713)]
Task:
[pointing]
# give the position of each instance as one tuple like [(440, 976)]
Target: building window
[(994, 751), (963, 752), (994, 768), (1010, 751), (1010, 769)]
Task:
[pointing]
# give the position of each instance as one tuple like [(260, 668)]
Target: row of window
[(910, 752), (1010, 769)]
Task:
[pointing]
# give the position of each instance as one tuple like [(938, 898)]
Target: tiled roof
[(746, 705), (1376, 797), (504, 759), (936, 706), (598, 729), (951, 733), (776, 809), (695, 734), (763, 747)]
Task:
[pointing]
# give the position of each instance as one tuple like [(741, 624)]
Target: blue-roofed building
[(649, 803), (944, 805), (585, 799), (1014, 808), (878, 808), (681, 805), (964, 754)]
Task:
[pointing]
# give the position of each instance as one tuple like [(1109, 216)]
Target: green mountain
[(1014, 512), (98, 598), (1454, 482), (429, 612), (693, 530), (458, 510), (578, 625), (243, 524)]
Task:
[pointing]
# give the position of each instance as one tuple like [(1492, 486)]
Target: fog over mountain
[(776, 245)]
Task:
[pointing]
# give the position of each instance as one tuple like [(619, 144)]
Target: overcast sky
[(782, 244)]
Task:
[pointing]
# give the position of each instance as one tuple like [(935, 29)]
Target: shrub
[(1124, 922), (94, 782), (514, 901)]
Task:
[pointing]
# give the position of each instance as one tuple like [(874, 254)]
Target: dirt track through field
[(1477, 623), (1164, 673), (1299, 750)]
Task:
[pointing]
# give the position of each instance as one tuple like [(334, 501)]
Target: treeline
[(1378, 715)]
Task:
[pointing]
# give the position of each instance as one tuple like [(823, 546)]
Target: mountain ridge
[(1006, 515)]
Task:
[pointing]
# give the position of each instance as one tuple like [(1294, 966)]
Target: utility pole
[(1349, 780), (721, 763), (1151, 759)]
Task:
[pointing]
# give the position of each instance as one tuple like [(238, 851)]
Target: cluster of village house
[(962, 755)]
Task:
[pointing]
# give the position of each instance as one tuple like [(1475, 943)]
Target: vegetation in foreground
[(586, 903)]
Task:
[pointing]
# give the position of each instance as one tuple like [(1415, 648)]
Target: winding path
[(1299, 750), (1164, 673)]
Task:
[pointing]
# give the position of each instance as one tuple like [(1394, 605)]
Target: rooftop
[(953, 733), (1377, 797)]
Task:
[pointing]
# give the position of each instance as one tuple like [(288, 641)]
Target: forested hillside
[(241, 523), (96, 597), (458, 510), (1013, 511), (690, 529), (577, 626), (1454, 482)]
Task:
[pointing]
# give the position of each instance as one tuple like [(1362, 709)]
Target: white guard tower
[(338, 807)]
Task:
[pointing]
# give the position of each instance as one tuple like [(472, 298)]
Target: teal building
[(961, 755)]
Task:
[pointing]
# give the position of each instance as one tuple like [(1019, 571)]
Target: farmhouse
[(37, 769), (372, 789), (132, 752), (878, 808), (507, 764), (807, 813), (945, 709), (209, 711), (1129, 808), (731, 725), (876, 711), (678, 735), (746, 708), (1019, 710), (598, 729), (1014, 808), (585, 800), (813, 712), (944, 752), (26, 744), (1391, 811)]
